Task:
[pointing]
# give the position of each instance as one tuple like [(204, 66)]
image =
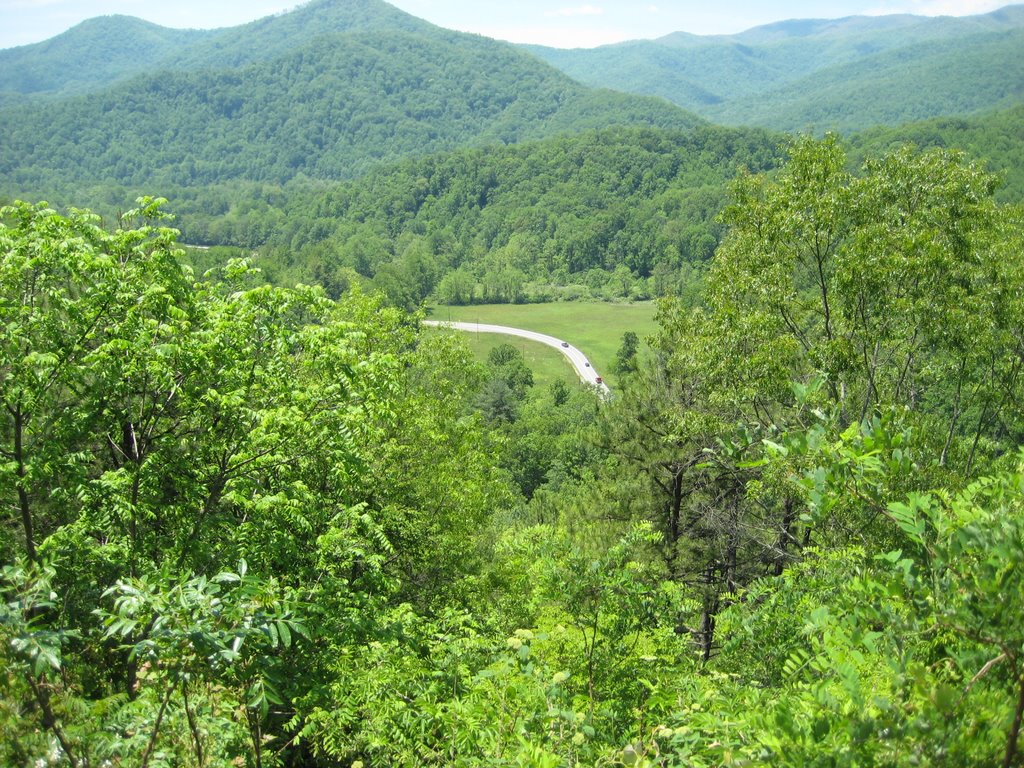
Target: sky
[(558, 23)]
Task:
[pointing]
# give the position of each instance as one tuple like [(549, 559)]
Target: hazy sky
[(561, 23)]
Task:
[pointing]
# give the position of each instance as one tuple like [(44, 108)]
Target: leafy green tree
[(834, 301), (66, 283), (457, 288), (206, 635), (159, 428), (625, 358), (508, 364)]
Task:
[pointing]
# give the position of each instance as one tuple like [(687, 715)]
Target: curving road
[(579, 361)]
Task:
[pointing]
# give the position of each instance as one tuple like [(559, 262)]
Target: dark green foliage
[(506, 389), (625, 358), (627, 201)]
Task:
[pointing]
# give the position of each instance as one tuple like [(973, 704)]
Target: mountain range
[(842, 74), (325, 91), (335, 88)]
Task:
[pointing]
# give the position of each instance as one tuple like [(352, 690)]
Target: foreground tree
[(158, 433), (835, 300)]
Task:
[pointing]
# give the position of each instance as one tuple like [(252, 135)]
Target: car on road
[(599, 380), (565, 344), (587, 364)]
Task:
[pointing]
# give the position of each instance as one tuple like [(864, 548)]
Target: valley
[(259, 511)]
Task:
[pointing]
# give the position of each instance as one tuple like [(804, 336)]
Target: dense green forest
[(325, 92), (329, 110), (893, 87), (255, 515), (93, 54), (616, 213), (994, 136), (257, 525), (820, 74)]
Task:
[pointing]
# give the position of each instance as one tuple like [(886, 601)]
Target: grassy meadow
[(596, 329)]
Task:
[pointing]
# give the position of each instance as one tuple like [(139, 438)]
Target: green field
[(596, 329)]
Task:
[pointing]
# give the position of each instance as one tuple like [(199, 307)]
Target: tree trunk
[(23, 500), (1011, 741), (785, 536), (675, 505)]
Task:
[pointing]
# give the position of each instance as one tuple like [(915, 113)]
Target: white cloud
[(938, 7), (961, 7), (583, 10), (554, 36), (14, 5)]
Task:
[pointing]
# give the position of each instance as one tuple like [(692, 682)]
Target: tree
[(157, 429), (72, 293), (834, 301), (508, 364), (625, 358), (457, 288)]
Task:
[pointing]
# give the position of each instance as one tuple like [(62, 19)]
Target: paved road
[(579, 361)]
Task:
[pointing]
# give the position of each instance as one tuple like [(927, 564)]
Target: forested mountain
[(842, 74), (272, 36), (102, 51), (272, 100), (890, 88), (89, 56)]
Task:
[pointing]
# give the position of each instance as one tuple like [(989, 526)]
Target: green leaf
[(284, 633)]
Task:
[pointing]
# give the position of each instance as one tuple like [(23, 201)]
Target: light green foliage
[(445, 692), (65, 310), (893, 285), (462, 699), (249, 523), (207, 645), (990, 137), (898, 657), (828, 374), (156, 429)]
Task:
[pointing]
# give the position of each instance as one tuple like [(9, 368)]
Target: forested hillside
[(103, 51), (912, 83), (92, 55), (993, 137), (254, 525), (618, 205), (325, 92), (253, 514), (843, 74)]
